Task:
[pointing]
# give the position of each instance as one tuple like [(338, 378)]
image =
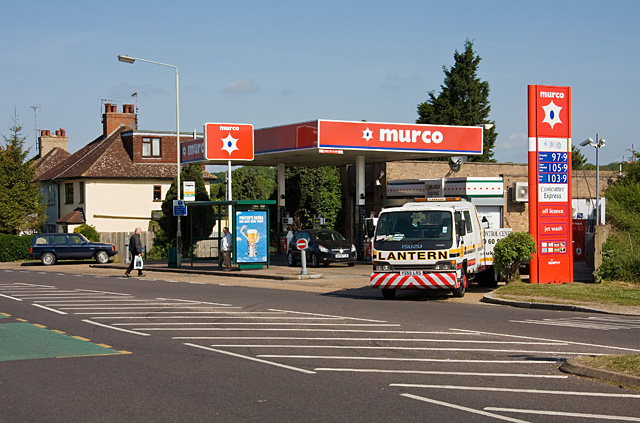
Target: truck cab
[(430, 244)]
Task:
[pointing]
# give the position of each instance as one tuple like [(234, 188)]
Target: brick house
[(113, 183)]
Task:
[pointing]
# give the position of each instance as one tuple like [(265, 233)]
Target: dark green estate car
[(50, 248)]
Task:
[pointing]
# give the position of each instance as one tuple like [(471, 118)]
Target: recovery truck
[(432, 244)]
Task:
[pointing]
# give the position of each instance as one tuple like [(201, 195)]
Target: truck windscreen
[(432, 226)]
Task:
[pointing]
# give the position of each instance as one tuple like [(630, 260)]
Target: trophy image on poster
[(252, 236)]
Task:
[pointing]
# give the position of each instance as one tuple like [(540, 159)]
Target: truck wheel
[(459, 292), (291, 261), (388, 294), (102, 257), (48, 259), (488, 278)]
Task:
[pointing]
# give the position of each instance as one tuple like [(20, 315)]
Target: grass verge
[(626, 364), (607, 292)]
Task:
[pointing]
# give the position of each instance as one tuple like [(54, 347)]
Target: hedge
[(14, 247)]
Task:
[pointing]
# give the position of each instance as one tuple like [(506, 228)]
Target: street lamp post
[(599, 143), (130, 60)]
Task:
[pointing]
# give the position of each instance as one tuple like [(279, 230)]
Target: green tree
[(253, 183), (578, 159), (199, 220), (313, 191), (22, 208), (463, 100)]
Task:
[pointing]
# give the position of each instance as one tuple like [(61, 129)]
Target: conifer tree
[(463, 100), (21, 205)]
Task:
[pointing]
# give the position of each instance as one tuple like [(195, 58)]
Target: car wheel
[(291, 260), (351, 264), (459, 292), (388, 294), (48, 259), (102, 257), (314, 260)]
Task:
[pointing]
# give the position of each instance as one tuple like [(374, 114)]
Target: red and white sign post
[(302, 245), (550, 212)]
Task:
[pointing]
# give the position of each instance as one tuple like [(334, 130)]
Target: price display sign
[(550, 216)]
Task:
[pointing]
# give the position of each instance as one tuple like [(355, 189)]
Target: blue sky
[(270, 63)]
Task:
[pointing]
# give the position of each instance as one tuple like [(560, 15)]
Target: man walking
[(135, 250), (226, 249)]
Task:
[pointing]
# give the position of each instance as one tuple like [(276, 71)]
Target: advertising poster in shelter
[(252, 243)]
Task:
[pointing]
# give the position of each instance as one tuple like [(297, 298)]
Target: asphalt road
[(189, 349)]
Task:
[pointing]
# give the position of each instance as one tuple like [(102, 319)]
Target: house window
[(81, 192), (157, 193), (53, 195), (68, 193), (151, 147)]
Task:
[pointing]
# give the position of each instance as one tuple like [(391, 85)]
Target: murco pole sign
[(228, 142), (550, 213)]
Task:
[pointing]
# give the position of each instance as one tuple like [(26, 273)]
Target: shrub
[(160, 245), (14, 247), (89, 232), (620, 258), (510, 251)]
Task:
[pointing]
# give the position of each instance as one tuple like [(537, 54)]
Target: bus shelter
[(249, 226)]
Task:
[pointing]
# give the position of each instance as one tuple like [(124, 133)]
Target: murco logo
[(404, 135)]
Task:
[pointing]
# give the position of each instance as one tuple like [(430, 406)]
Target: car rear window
[(43, 240)]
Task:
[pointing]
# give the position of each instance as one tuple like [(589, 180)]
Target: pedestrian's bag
[(137, 263)]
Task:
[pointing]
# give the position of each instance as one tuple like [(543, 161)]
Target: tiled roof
[(72, 218), (106, 158), (52, 159)]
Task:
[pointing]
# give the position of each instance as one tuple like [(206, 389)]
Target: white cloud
[(241, 86)]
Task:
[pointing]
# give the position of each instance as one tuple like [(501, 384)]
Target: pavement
[(340, 277)]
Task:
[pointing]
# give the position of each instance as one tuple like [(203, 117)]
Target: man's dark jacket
[(135, 247)]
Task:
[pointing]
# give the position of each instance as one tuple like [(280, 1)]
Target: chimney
[(112, 120), (48, 142)]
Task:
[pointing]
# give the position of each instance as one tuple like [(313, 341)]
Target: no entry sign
[(301, 244)]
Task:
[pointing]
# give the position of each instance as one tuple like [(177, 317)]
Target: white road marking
[(546, 339), (461, 408), (142, 306), (521, 391), (115, 328), (367, 347), (10, 297), (251, 358), (105, 292), (433, 372), (564, 414), (293, 338), (328, 315), (49, 309), (429, 360), (196, 302)]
